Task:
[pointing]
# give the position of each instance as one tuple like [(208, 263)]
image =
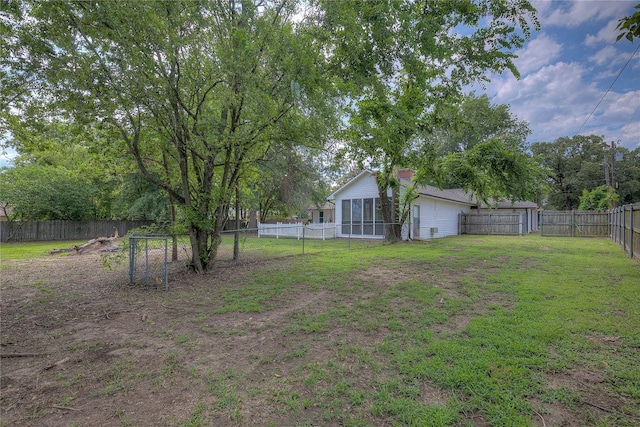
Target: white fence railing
[(298, 230)]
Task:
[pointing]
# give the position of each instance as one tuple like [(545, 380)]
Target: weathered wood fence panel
[(499, 223), (624, 228), (574, 223), (29, 231)]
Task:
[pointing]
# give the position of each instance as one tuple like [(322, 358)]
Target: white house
[(434, 212), (321, 214)]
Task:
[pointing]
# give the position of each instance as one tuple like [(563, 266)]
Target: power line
[(605, 94)]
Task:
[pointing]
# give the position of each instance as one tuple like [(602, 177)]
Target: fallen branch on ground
[(58, 363), (8, 355)]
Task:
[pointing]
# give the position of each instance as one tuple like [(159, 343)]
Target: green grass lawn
[(460, 331), (503, 327), (30, 250)]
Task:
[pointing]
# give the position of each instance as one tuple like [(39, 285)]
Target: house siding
[(327, 213), (440, 214)]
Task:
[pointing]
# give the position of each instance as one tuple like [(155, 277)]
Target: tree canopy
[(196, 90), (404, 64), (200, 95), (586, 163)]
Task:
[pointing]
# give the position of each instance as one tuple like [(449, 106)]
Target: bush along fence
[(30, 231)]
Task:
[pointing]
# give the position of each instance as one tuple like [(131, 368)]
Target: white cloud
[(557, 99), (574, 13), (606, 55), (607, 34), (629, 134), (541, 51)]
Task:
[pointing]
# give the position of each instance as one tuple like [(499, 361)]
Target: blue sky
[(567, 67)]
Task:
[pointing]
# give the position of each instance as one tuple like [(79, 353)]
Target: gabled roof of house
[(457, 195), (332, 196), (325, 207), (509, 205)]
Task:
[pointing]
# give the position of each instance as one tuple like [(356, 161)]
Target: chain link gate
[(148, 261)]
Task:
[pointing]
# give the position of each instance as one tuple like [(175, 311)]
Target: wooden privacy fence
[(624, 228), (28, 231), (574, 223), (499, 223)]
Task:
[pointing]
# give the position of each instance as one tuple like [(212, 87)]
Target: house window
[(362, 217), (321, 217), (346, 217), (356, 216), (367, 217)]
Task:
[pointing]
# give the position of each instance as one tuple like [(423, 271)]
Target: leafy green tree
[(195, 90), (627, 170), (475, 120), (630, 26), (583, 163), (574, 164), (44, 192), (63, 145), (404, 63), (601, 198), (287, 181)]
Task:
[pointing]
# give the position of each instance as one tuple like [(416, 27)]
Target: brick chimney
[(405, 173)]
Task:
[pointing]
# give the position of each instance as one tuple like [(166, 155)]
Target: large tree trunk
[(389, 208)]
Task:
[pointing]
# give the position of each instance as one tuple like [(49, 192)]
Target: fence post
[(303, 228), (520, 224), (631, 231), (573, 223), (132, 258), (624, 229), (489, 227), (620, 226)]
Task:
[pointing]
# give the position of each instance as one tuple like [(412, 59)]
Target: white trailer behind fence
[(298, 230)]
